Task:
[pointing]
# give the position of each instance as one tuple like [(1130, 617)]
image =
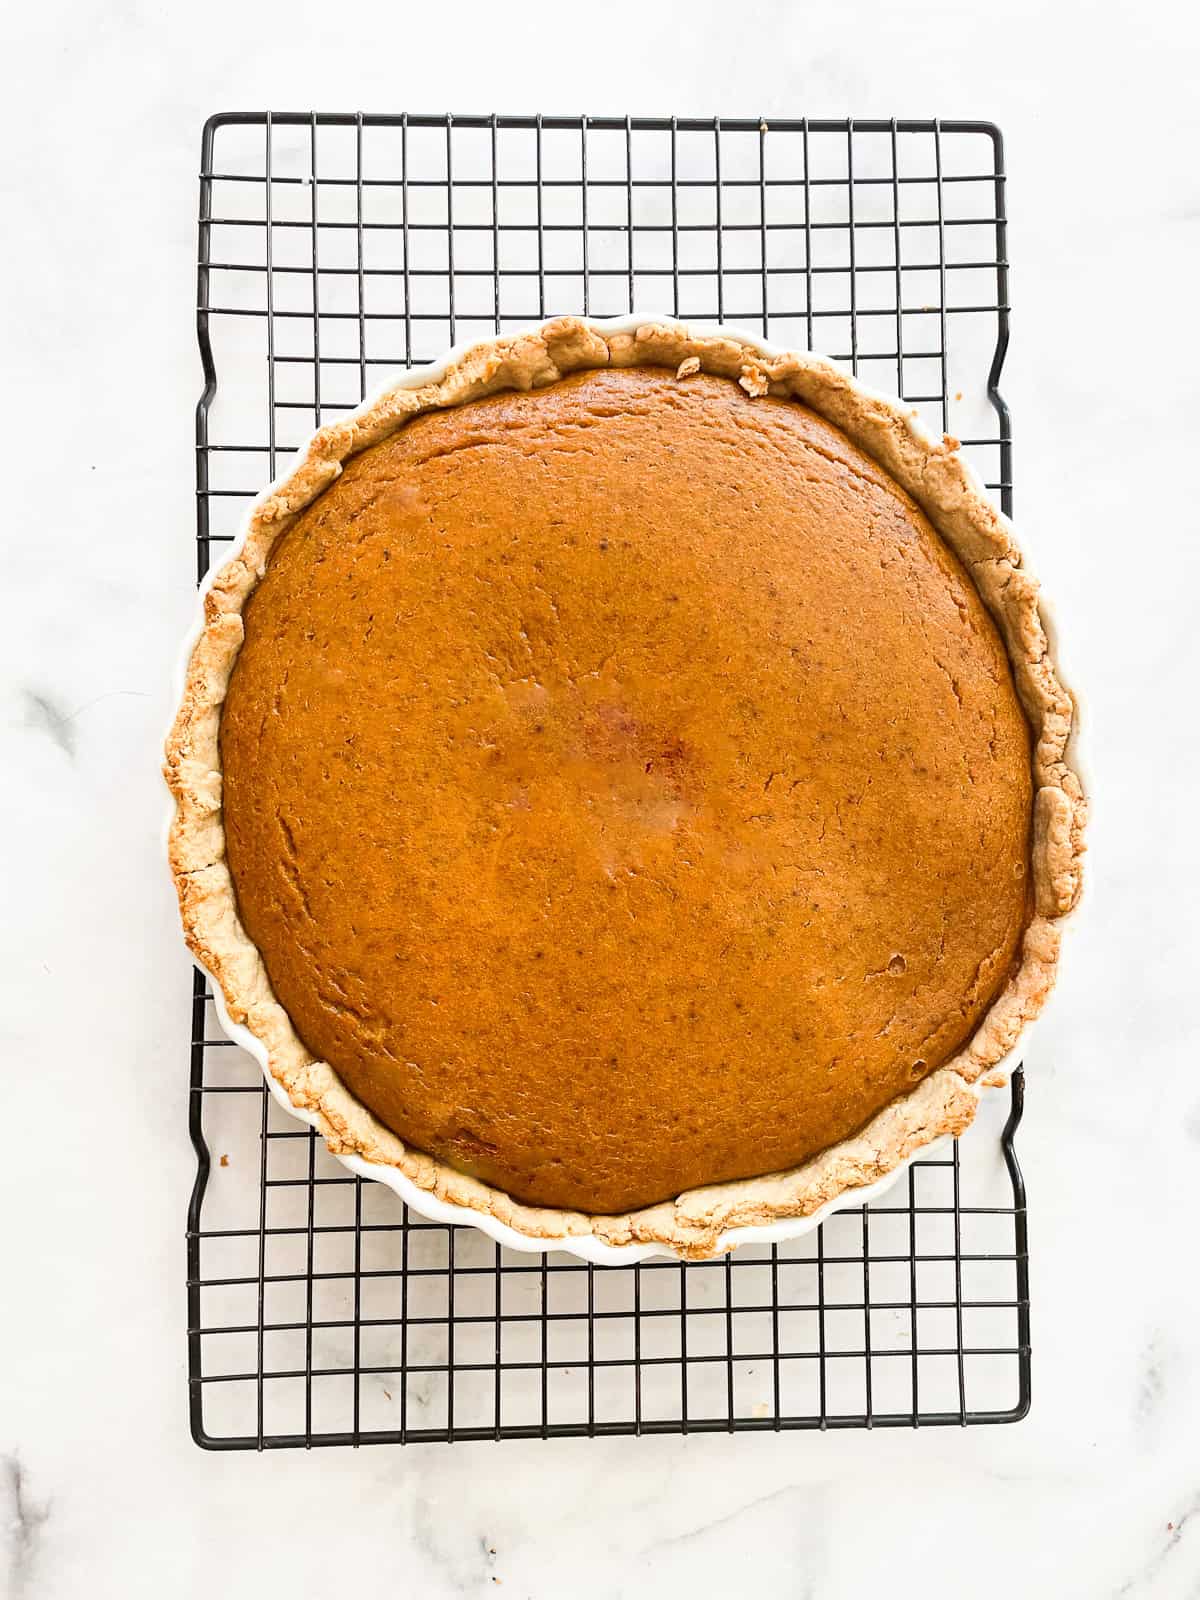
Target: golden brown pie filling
[(625, 786)]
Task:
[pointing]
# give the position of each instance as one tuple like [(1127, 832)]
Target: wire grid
[(333, 249)]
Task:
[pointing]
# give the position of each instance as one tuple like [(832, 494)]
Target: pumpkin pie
[(624, 782)]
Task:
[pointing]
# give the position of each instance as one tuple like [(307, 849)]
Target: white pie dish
[(586, 1246)]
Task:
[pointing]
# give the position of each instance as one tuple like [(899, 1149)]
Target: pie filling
[(625, 787)]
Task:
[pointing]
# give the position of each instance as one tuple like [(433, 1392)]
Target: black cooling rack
[(332, 250)]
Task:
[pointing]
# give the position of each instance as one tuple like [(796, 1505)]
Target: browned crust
[(936, 477)]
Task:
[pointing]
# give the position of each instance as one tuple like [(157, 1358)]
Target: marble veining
[(24, 1519), (1168, 1543), (1153, 1387), (43, 716)]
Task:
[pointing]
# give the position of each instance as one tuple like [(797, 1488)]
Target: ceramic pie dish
[(624, 793)]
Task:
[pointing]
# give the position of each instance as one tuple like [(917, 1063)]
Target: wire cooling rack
[(332, 250)]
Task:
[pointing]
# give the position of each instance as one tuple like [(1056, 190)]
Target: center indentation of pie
[(577, 752), (625, 787)]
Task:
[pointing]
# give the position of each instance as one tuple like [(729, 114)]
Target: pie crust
[(937, 478)]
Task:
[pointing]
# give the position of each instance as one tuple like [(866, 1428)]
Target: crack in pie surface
[(609, 792)]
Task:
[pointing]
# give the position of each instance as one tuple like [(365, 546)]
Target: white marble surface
[(101, 1490)]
